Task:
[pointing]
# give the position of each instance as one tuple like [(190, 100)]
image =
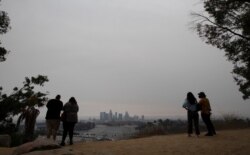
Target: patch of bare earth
[(235, 142)]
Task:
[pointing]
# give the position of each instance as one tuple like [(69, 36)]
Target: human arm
[(48, 104), (185, 105)]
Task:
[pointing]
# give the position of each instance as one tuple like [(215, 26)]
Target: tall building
[(110, 115), (142, 117), (115, 116), (126, 117), (104, 117), (120, 117)]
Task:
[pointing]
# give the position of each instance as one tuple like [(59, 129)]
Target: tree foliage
[(226, 25), (4, 27), (23, 102)]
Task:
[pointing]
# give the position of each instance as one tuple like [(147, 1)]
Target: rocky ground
[(235, 142)]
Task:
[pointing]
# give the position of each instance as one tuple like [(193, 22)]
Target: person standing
[(190, 104), (54, 108), (70, 110), (206, 114)]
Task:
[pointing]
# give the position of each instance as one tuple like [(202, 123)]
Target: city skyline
[(110, 116)]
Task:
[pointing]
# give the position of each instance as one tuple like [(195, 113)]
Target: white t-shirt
[(188, 106)]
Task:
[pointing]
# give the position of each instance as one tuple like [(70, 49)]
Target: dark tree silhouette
[(4, 27), (23, 102), (226, 25)]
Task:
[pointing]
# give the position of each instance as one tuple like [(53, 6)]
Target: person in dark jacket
[(54, 107), (206, 114), (70, 110), (191, 105)]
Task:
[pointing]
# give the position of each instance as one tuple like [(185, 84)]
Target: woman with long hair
[(70, 110), (190, 104)]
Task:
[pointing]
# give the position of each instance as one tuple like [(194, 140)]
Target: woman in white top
[(190, 104)]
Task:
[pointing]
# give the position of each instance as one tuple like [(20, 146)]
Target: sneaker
[(62, 144), (208, 134)]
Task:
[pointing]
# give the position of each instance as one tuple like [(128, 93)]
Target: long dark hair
[(191, 99), (72, 100)]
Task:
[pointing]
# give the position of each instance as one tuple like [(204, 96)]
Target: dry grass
[(226, 142)]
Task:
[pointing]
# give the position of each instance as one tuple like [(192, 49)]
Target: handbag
[(63, 117), (198, 107)]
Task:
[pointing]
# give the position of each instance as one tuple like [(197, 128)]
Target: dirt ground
[(232, 142)]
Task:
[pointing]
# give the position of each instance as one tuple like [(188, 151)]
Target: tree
[(24, 102), (226, 26), (4, 27)]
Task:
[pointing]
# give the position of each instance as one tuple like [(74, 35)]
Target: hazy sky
[(138, 56)]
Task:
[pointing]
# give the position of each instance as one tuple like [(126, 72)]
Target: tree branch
[(222, 27)]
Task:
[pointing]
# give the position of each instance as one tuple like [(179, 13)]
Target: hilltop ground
[(235, 142)]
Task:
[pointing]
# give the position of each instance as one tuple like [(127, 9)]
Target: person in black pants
[(70, 110), (206, 114), (190, 104)]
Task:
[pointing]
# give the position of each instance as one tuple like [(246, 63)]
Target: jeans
[(193, 117), (68, 127), (210, 127)]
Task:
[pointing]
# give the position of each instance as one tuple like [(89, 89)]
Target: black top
[(54, 109)]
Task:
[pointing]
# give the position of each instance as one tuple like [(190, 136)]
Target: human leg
[(190, 123), (206, 120), (196, 123), (65, 132), (56, 125), (213, 129), (211, 126), (71, 132), (49, 128)]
